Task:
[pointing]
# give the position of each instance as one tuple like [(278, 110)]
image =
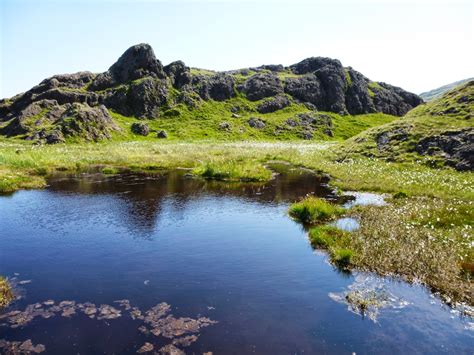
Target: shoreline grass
[(312, 210), (424, 234), (6, 293)]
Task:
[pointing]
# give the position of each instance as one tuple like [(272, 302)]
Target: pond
[(197, 266)]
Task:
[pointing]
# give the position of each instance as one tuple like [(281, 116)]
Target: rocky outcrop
[(218, 87), (260, 86), (138, 85), (137, 62), (456, 147)]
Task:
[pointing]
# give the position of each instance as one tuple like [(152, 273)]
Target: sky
[(417, 45)]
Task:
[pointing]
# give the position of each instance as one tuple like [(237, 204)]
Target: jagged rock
[(358, 100), (272, 67), (218, 87), (456, 147), (312, 64), (140, 128), (255, 122), (385, 139), (306, 88), (137, 62), (142, 98), (162, 134), (178, 73), (394, 100), (273, 104), (259, 86)]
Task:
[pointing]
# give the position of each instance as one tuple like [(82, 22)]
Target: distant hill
[(435, 93), (440, 132), (138, 96)]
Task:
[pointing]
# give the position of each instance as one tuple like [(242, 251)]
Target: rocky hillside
[(138, 86), (438, 92), (440, 132)]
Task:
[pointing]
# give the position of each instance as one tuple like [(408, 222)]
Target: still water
[(224, 255)]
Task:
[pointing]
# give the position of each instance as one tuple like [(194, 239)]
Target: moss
[(348, 78), (6, 293), (312, 210)]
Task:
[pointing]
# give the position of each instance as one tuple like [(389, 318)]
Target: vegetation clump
[(335, 241), (6, 293), (312, 210)]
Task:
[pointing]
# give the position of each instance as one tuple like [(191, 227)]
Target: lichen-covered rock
[(393, 100), (358, 100), (217, 87), (306, 88), (260, 86), (255, 122), (273, 104), (137, 62), (178, 73), (456, 147), (142, 99), (140, 128), (310, 65), (162, 134)]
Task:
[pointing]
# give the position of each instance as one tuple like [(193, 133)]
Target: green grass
[(312, 210), (6, 293), (452, 112)]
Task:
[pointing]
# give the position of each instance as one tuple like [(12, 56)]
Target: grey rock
[(260, 86), (456, 147), (179, 74), (136, 62), (140, 128), (255, 122), (273, 104), (162, 134)]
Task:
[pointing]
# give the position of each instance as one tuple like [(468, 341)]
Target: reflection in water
[(141, 198), (226, 251)]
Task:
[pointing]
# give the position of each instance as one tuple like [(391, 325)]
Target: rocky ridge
[(77, 105)]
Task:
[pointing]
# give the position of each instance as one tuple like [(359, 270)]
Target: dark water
[(224, 251)]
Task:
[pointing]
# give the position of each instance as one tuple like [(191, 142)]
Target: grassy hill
[(438, 133), (435, 93)]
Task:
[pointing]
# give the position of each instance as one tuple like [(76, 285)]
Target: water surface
[(220, 250)]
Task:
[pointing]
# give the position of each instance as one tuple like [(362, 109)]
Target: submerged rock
[(146, 348)]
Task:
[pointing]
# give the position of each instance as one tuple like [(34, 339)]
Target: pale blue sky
[(417, 45)]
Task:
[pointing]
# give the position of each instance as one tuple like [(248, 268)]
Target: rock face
[(456, 147), (138, 85)]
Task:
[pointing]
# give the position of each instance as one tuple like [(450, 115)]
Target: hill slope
[(440, 132), (179, 102), (435, 93)]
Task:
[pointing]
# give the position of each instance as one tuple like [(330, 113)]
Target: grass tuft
[(6, 293), (312, 210)]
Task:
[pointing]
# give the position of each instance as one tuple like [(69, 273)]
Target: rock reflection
[(141, 199)]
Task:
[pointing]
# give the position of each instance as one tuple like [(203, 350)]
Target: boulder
[(140, 128), (162, 134), (255, 122)]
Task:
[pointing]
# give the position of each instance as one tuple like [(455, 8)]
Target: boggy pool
[(127, 263)]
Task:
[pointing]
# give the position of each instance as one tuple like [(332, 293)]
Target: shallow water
[(220, 250)]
